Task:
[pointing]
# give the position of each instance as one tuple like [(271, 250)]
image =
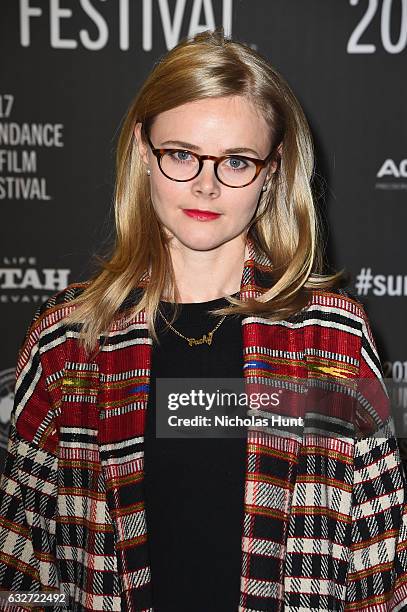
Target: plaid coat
[(331, 536)]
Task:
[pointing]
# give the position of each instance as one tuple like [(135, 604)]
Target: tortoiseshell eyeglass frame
[(259, 163)]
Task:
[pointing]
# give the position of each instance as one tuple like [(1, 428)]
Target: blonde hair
[(286, 227)]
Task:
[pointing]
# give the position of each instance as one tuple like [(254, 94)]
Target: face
[(210, 127)]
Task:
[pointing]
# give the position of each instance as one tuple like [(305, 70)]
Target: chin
[(200, 242)]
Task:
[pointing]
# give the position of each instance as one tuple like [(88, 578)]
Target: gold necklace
[(206, 338)]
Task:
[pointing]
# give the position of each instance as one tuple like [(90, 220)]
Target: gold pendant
[(206, 338)]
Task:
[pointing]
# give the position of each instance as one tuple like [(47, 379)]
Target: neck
[(207, 275)]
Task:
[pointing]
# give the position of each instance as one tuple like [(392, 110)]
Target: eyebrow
[(192, 147)]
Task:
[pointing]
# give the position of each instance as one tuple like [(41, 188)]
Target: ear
[(277, 156), (142, 147)]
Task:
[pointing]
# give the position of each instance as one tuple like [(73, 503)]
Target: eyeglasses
[(231, 170)]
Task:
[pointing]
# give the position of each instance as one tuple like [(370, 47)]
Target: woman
[(217, 271)]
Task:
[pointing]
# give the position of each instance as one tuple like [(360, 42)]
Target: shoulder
[(56, 307), (61, 299), (337, 307), (47, 331), (346, 325), (336, 320)]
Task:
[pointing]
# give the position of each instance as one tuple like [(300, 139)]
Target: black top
[(194, 487)]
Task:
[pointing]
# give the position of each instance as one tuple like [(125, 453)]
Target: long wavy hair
[(286, 227)]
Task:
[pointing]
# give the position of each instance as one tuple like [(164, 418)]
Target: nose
[(206, 182)]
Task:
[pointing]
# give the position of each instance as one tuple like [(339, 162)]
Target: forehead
[(224, 121)]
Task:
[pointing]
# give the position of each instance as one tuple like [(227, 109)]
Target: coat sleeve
[(28, 485), (377, 577)]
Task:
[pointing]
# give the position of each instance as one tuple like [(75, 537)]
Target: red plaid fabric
[(331, 535)]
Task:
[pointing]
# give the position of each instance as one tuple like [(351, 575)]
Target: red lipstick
[(201, 215)]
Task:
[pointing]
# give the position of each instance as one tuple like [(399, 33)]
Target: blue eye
[(236, 164), (181, 157)]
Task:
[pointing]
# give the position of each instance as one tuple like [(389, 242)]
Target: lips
[(201, 215)]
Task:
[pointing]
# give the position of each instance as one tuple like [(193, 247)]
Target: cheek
[(246, 205), (166, 194)]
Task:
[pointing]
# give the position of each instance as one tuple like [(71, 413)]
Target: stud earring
[(148, 171), (264, 188)]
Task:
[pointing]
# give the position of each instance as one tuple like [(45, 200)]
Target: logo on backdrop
[(374, 32), (19, 162), (392, 175), (368, 283), (397, 370), (132, 20), (23, 280)]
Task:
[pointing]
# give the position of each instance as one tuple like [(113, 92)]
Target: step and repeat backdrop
[(69, 70)]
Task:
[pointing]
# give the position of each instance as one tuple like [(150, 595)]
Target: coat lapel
[(124, 377)]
